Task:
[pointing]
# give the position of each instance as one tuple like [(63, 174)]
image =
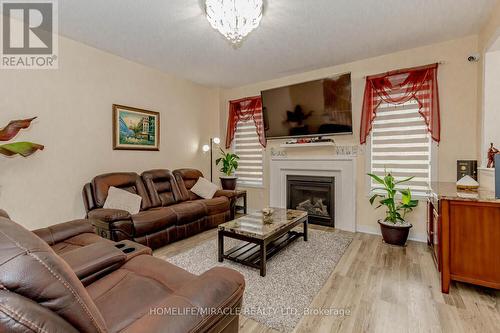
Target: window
[(401, 144), (247, 146)]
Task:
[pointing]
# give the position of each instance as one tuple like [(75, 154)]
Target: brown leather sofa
[(169, 210), (40, 292)]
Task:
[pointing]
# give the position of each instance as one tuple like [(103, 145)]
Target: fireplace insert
[(315, 195)]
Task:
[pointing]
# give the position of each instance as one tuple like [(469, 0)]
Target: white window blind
[(401, 144), (247, 147)]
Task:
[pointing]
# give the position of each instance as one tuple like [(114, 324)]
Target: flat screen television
[(316, 108)]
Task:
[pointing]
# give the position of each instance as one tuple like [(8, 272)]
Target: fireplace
[(313, 194)]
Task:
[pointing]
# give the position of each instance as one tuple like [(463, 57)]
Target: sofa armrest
[(94, 260), (114, 224), (109, 215), (225, 193), (62, 231)]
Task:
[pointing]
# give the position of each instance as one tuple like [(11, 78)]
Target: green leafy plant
[(396, 211), (7, 133), (229, 162)]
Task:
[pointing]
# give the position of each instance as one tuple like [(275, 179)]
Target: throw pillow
[(203, 188), (123, 200)]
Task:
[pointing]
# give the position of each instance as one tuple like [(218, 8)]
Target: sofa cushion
[(123, 200), (161, 187), (188, 212), (153, 220), (156, 285), (215, 205), (129, 181), (204, 188), (146, 280)]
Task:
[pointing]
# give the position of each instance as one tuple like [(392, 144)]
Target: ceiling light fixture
[(234, 19)]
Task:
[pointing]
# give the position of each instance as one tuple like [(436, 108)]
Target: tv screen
[(315, 108)]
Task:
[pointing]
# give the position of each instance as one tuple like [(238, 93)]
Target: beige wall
[(458, 95), (491, 29), (73, 105), (491, 100)]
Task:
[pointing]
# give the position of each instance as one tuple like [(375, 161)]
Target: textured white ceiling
[(294, 36)]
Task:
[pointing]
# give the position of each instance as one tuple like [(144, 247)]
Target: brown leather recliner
[(166, 214), (39, 292), (153, 227), (163, 192)]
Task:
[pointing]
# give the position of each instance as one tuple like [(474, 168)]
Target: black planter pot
[(395, 234), (228, 183)]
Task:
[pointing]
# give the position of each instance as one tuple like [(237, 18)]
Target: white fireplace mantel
[(343, 168)]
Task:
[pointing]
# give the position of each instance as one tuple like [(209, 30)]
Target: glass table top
[(253, 224)]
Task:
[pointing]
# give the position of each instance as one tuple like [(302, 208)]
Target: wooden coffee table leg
[(245, 204), (263, 259), (221, 246), (306, 222)]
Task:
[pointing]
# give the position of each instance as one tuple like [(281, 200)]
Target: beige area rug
[(294, 276)]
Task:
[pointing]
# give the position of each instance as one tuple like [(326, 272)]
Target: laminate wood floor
[(387, 289)]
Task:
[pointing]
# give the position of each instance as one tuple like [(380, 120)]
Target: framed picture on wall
[(135, 129)]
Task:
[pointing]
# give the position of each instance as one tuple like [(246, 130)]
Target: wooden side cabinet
[(470, 243), (463, 231)]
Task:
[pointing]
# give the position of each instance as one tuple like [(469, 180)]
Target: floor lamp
[(210, 148)]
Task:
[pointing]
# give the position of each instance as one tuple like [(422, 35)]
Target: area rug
[(294, 276)]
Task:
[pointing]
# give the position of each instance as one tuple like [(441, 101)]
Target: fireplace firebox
[(315, 195)]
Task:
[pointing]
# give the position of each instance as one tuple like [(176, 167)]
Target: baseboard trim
[(375, 230)]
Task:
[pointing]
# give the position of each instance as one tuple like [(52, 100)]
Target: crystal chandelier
[(234, 19)]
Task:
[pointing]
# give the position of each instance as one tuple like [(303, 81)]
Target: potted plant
[(394, 227), (229, 165)]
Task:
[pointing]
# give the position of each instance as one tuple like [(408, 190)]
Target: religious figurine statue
[(491, 156)]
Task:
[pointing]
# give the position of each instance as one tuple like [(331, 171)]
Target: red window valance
[(398, 87), (245, 109)]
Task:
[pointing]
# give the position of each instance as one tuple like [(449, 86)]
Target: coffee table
[(261, 240)]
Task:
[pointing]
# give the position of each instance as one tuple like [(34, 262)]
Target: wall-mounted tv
[(316, 108)]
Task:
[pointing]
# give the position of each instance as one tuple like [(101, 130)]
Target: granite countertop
[(449, 191)]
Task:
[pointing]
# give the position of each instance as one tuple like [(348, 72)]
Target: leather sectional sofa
[(104, 286), (169, 210)]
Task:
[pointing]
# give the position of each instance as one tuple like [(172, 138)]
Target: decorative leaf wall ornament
[(10, 131), (24, 149)]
